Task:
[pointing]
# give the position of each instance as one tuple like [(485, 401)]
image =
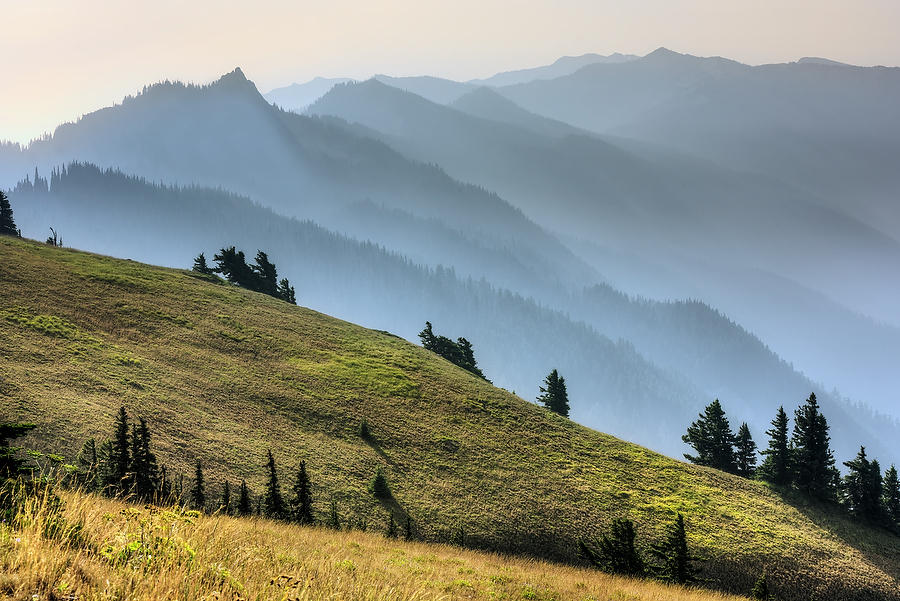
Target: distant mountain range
[(528, 230)]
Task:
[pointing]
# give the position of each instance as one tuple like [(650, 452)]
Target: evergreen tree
[(274, 502), (814, 471), (232, 264), (379, 485), (761, 589), (745, 452), (144, 470), (459, 353), (468, 357), (198, 491), (674, 561), (286, 292), (334, 518), (553, 394), (120, 457), (244, 508), (7, 223), (364, 432), (875, 488), (891, 496), (301, 504), (266, 274), (10, 464), (776, 467), (712, 439), (200, 265), (408, 529), (391, 531), (226, 498), (616, 552)]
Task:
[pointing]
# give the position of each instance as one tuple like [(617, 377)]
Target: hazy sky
[(64, 58)]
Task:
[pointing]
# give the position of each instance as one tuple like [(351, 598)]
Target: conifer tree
[(7, 223), (274, 502), (364, 432), (120, 457), (553, 394), (198, 491), (266, 274), (814, 471), (616, 552), (745, 452), (891, 496), (165, 486), (226, 498), (286, 292), (244, 508), (301, 504), (874, 490), (776, 467), (200, 265), (379, 485), (675, 563), (10, 464), (712, 439), (334, 518), (408, 529), (144, 470), (391, 531)]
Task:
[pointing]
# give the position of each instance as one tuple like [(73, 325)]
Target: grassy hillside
[(223, 374), (179, 555)]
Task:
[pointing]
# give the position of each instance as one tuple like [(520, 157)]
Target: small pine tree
[(198, 491), (301, 504), (201, 266), (274, 502), (286, 292), (144, 470), (408, 529), (334, 518), (379, 485), (7, 223), (120, 457), (891, 496), (364, 432), (674, 561), (761, 589), (814, 471), (391, 531), (553, 394), (745, 452), (244, 508), (776, 467), (616, 552), (226, 498), (712, 439)]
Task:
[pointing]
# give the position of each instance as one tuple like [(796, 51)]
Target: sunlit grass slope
[(133, 553), (223, 374)]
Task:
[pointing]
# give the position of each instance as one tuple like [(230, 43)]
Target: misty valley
[(616, 327)]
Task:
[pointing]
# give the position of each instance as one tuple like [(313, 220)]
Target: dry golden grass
[(223, 374), (131, 553)]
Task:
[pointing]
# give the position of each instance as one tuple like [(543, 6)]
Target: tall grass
[(87, 548)]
